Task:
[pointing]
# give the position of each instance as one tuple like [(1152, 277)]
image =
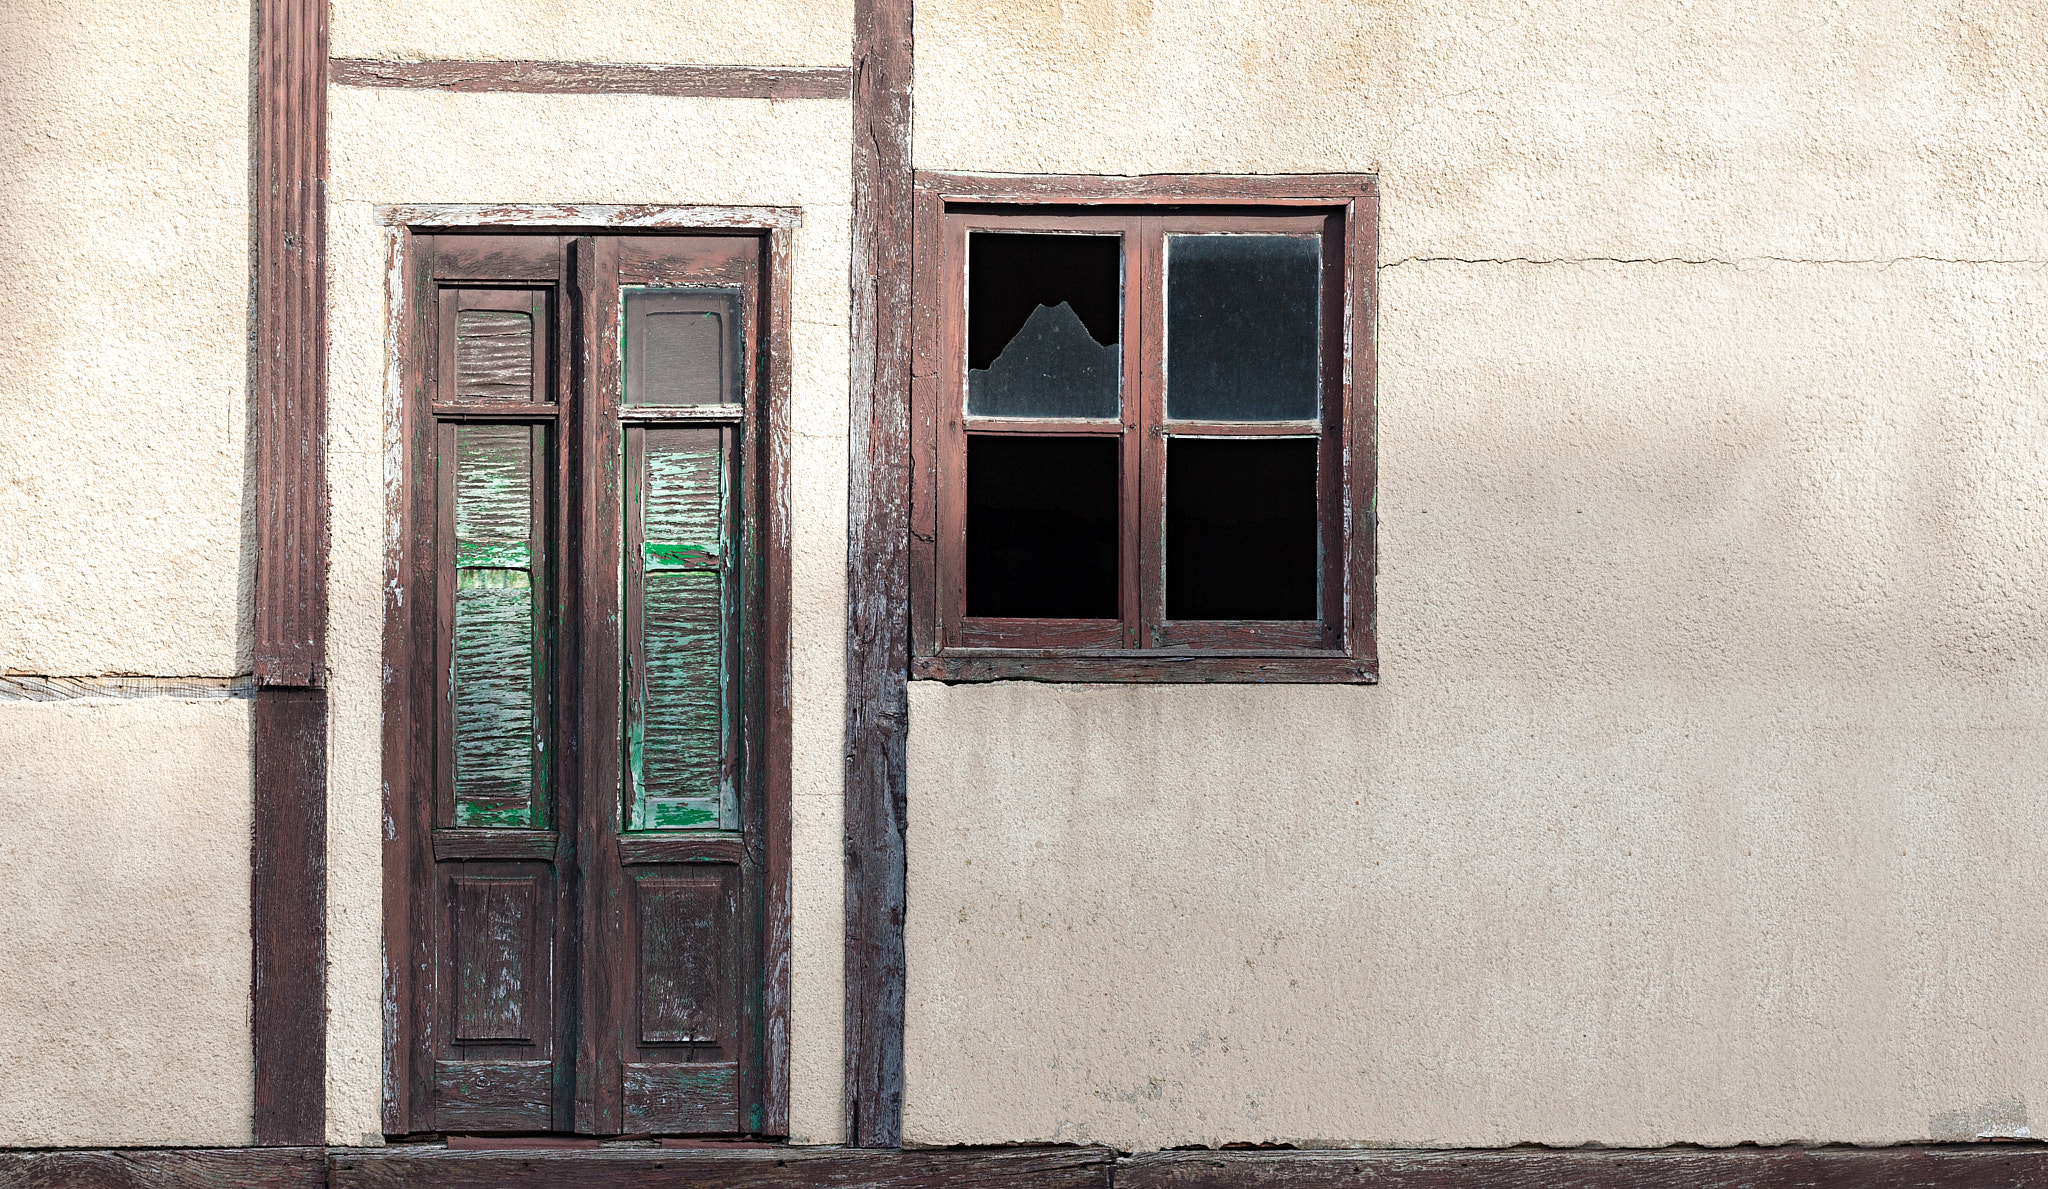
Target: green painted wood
[(494, 663), (679, 732)]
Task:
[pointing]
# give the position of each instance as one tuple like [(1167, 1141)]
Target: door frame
[(408, 856)]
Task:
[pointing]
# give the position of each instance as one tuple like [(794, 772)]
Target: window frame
[(946, 645)]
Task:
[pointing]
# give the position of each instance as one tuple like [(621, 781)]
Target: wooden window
[(1142, 430), (587, 765)]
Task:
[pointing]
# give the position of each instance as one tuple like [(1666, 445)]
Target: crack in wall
[(1738, 262)]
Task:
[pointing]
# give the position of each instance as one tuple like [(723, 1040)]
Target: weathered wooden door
[(576, 733)]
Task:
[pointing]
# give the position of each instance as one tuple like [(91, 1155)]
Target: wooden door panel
[(495, 1066), (494, 1095), (691, 1097), (494, 966), (684, 923)]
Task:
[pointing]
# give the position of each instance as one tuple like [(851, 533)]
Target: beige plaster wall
[(124, 994), (124, 824), (421, 147), (736, 33), (124, 161), (1696, 803)]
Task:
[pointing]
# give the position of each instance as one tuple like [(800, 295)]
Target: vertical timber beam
[(288, 870), (878, 572)]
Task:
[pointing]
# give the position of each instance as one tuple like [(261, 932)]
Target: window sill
[(1143, 667)]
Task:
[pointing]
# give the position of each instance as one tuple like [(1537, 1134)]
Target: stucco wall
[(124, 995), (1696, 802), (124, 824), (737, 32), (419, 147), (124, 162)]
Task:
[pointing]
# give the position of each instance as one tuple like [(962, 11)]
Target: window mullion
[(1146, 515)]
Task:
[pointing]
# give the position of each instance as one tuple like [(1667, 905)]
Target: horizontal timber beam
[(166, 1168), (519, 1164), (599, 78), (1960, 1166)]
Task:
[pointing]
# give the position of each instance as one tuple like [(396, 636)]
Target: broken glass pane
[(1242, 327), (1043, 322)]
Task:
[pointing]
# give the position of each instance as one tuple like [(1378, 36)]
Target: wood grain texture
[(597, 520), (679, 563), (599, 78), (494, 924), (291, 342), (494, 355), (288, 879), (288, 916), (493, 1095), (1741, 1168), (774, 685), (728, 1168), (676, 1097), (409, 685), (1361, 437), (493, 660), (213, 1168), (29, 687), (878, 571), (492, 842), (1314, 189), (1156, 667), (587, 216)]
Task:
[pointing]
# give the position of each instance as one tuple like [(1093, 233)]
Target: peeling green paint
[(493, 668), (677, 734), (667, 555), (475, 813), (516, 555)]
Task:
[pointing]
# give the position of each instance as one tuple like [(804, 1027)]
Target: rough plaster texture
[(124, 994), (420, 147), (124, 161), (1694, 804), (736, 33), (1539, 128)]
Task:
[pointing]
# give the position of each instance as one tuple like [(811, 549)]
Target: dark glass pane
[(679, 346), (1242, 327), (1241, 528), (1042, 527), (1043, 315)]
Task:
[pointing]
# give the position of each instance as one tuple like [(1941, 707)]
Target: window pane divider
[(495, 410), (1236, 429), (1018, 425), (681, 414)]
